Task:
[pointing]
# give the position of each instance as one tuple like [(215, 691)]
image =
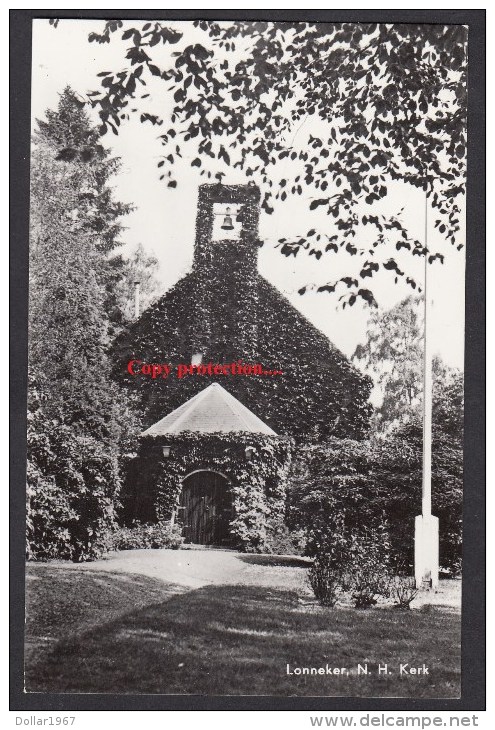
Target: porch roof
[(213, 410)]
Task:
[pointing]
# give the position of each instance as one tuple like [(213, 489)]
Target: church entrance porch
[(206, 509), (215, 470)]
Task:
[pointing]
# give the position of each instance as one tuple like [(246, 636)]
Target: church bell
[(227, 224)]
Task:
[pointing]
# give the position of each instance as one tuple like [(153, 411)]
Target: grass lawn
[(122, 633)]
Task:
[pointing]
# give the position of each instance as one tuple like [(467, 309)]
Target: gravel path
[(196, 568), (188, 568), (191, 568)]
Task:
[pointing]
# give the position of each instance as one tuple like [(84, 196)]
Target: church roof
[(213, 410)]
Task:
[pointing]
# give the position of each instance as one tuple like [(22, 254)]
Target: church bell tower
[(226, 271), (227, 226)]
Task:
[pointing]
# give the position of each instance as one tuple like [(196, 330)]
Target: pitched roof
[(213, 410)]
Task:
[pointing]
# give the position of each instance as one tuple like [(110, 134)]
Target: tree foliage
[(67, 136), (364, 482), (393, 356), (78, 418), (448, 402), (122, 273), (330, 111)]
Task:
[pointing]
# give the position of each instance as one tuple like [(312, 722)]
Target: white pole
[(136, 299), (426, 544), (427, 388)]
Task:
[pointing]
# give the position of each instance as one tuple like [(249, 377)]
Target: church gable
[(164, 329), (309, 337), (224, 311)]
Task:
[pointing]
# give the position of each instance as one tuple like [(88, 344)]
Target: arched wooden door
[(206, 508)]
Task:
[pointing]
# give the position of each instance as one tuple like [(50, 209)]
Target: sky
[(163, 220)]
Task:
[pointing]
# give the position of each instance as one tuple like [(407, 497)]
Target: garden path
[(193, 568)]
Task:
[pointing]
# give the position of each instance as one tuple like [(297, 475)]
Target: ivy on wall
[(320, 393), (258, 485)]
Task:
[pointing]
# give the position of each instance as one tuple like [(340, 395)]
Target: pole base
[(426, 552)]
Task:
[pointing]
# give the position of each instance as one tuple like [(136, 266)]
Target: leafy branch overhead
[(330, 112)]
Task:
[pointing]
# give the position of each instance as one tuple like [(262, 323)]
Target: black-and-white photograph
[(246, 351)]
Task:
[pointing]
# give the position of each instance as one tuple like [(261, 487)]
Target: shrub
[(352, 560), (326, 579), (370, 581), (71, 493), (370, 564), (403, 589), (48, 516), (139, 536), (367, 479), (282, 541), (72, 484), (329, 575)]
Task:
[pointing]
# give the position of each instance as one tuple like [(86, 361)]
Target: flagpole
[(426, 540), (427, 388)]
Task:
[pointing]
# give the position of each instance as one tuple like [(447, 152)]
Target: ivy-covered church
[(216, 460)]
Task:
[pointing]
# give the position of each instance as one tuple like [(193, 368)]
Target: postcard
[(246, 349)]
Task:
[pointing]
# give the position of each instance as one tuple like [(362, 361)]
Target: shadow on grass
[(284, 561), (238, 640), (61, 601)]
